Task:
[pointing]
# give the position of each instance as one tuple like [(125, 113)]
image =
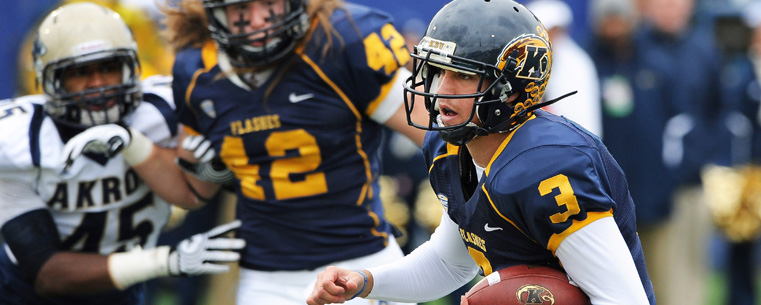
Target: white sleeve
[(394, 98), (17, 197), (598, 260), (155, 117), (431, 271)]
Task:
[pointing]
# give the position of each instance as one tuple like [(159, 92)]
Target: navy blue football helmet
[(501, 42)]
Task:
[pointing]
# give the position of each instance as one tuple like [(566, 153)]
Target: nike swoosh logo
[(294, 98), (487, 228)]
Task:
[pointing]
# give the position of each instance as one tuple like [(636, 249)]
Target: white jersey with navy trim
[(99, 205)]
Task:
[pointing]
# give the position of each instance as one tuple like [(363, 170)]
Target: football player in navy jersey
[(518, 185), (291, 95), (78, 213)]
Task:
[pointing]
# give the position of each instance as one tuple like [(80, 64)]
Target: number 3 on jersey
[(565, 198)]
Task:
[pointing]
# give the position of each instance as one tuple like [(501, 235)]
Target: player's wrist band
[(138, 265), (364, 276), (139, 148)]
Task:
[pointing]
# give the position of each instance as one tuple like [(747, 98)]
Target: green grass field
[(716, 294)]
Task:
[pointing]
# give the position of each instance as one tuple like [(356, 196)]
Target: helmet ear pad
[(495, 107)]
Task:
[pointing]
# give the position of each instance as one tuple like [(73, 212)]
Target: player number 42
[(380, 55)]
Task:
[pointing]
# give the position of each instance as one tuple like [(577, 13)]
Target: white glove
[(196, 255), (107, 140), (210, 167), (200, 147)]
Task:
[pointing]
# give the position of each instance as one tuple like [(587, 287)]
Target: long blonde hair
[(186, 24), (321, 11)]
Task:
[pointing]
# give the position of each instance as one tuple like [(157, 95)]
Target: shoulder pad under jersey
[(23, 118)]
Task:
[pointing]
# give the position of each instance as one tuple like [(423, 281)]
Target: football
[(525, 284)]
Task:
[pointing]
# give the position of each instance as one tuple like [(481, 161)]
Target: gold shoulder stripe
[(451, 150), (591, 217), (503, 145), (332, 85), (209, 55), (382, 96), (192, 86)]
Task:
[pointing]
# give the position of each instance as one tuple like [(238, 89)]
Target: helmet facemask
[(258, 47), (489, 101), (93, 106)]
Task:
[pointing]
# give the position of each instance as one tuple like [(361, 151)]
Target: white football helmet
[(80, 34)]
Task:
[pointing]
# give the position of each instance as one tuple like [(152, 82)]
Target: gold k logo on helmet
[(528, 56)]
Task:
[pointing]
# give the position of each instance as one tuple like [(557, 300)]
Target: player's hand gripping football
[(210, 167), (203, 253), (106, 140)]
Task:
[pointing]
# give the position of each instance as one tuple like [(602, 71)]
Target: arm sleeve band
[(139, 148), (434, 269), (33, 239), (598, 260), (138, 265), (394, 98)]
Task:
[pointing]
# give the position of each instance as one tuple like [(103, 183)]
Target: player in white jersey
[(80, 218)]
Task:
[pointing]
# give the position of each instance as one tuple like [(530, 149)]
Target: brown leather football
[(524, 284)]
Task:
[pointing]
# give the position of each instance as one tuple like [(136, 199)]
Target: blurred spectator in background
[(733, 183), (687, 61), (661, 106), (634, 112), (572, 68)]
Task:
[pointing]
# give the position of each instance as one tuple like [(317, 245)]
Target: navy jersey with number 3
[(548, 179), (303, 143)]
